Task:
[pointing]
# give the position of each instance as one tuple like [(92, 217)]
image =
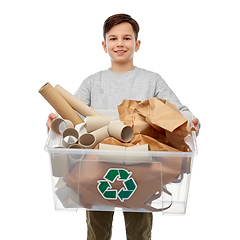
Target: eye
[(112, 39), (127, 38)]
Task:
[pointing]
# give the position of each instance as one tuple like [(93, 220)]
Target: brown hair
[(117, 19)]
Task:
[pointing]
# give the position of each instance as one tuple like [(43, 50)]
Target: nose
[(120, 43)]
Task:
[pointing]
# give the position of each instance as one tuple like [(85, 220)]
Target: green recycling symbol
[(113, 174)]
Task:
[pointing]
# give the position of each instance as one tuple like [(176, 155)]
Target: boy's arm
[(165, 92)]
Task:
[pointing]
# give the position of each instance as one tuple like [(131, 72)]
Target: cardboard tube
[(95, 122), (73, 134), (76, 104), (100, 134), (74, 158), (110, 157), (59, 104), (55, 126), (87, 140), (120, 131), (59, 164), (137, 158)]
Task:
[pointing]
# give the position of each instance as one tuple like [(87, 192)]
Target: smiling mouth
[(120, 51)]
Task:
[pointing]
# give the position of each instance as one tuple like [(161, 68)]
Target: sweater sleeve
[(165, 92)]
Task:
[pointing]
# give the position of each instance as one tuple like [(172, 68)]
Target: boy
[(106, 90)]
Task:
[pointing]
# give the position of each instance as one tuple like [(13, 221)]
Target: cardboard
[(74, 158), (158, 119), (108, 157), (75, 103), (90, 140), (127, 158), (59, 104), (95, 122), (140, 139), (86, 176), (120, 131), (56, 125), (59, 164), (87, 140), (161, 114), (100, 134), (69, 137), (137, 158)]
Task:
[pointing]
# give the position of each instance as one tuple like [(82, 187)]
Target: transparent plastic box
[(150, 181)]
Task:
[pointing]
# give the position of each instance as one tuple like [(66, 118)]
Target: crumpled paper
[(141, 140), (158, 119)]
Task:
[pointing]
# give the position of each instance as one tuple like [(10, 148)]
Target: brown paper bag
[(91, 179), (156, 118), (141, 140)]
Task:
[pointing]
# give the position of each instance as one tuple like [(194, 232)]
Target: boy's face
[(120, 43)]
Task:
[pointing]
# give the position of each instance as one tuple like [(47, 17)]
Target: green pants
[(138, 225)]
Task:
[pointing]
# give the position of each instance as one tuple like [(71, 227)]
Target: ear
[(104, 46), (137, 46)]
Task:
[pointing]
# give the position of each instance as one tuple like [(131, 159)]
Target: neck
[(122, 68)]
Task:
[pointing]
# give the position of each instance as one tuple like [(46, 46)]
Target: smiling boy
[(106, 90), (120, 42)]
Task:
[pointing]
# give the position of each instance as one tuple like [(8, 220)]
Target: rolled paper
[(73, 135), (59, 164), (136, 158), (59, 104), (76, 104), (56, 125), (87, 140), (95, 122), (100, 134), (120, 131), (113, 158), (74, 158)]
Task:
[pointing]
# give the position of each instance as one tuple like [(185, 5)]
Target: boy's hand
[(51, 117), (195, 122)]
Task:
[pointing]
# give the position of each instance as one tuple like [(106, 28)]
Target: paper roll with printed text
[(75, 103), (59, 104)]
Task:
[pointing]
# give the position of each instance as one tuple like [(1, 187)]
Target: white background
[(193, 45)]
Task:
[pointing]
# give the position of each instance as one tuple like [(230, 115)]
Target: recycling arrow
[(124, 194), (111, 175), (124, 174), (103, 186), (105, 189)]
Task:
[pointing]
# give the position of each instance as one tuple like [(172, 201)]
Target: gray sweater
[(107, 89)]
